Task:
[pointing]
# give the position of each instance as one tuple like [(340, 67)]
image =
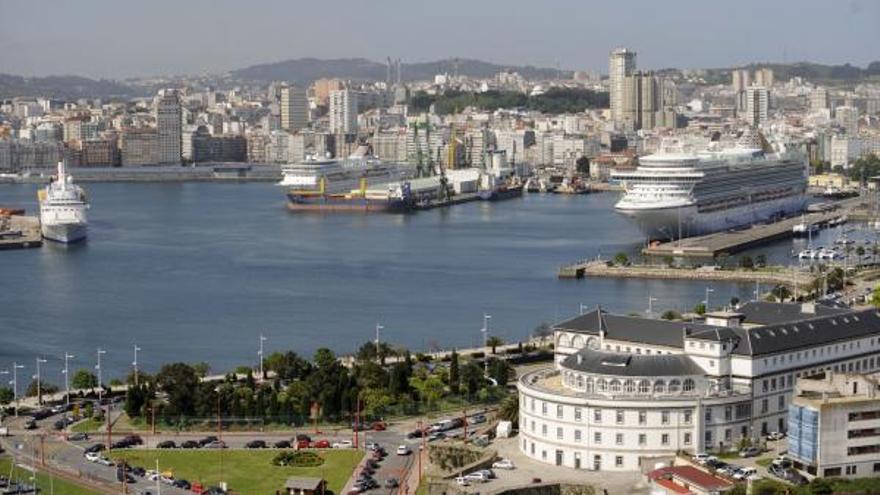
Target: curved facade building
[(626, 393)]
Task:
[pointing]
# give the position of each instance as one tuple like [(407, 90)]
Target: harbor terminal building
[(627, 392)]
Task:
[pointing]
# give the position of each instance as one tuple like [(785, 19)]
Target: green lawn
[(48, 486), (87, 426), (246, 471)]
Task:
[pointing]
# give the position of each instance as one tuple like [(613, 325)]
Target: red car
[(379, 426), (302, 444), (321, 444)]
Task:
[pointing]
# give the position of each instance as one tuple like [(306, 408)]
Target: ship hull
[(501, 194), (66, 233), (663, 223), (331, 204)]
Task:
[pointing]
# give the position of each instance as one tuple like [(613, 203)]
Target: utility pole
[(262, 372), (709, 290), (66, 373), (651, 305), (38, 377), (100, 381)]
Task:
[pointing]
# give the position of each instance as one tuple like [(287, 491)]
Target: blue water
[(196, 271)]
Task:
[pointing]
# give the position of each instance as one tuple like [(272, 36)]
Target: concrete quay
[(773, 276), (19, 232), (729, 242)]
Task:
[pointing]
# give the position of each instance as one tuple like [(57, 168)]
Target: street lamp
[(100, 381), (260, 353), (378, 329), (485, 330), (66, 373), (14, 383), (581, 308), (39, 380), (135, 364), (651, 305), (709, 290)]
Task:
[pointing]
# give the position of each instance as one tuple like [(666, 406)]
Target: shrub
[(299, 458)]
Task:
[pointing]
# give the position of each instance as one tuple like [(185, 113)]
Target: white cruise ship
[(680, 192), (63, 207), (330, 176)]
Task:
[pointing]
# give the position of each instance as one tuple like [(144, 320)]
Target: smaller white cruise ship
[(63, 207)]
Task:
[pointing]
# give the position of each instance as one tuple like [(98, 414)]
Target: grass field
[(47, 485), (248, 472), (87, 426)]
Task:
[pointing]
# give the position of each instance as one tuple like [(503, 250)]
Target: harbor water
[(197, 271)]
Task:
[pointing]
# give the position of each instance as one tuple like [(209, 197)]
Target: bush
[(671, 315), (298, 458)]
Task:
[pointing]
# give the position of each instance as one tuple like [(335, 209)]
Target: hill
[(306, 70), (66, 87)]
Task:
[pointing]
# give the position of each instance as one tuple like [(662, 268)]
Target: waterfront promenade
[(772, 275)]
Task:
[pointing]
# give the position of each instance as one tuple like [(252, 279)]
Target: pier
[(771, 275), (729, 242), (18, 232)]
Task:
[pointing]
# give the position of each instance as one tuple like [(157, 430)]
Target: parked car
[(302, 437), (322, 444), (437, 435), (403, 450), (78, 437), (371, 446), (700, 458), (775, 435), (744, 473), (92, 456), (415, 434), (255, 444), (477, 477), (138, 471), (343, 444), (379, 426), (30, 425), (134, 440), (392, 483), (123, 477), (104, 461), (167, 444), (208, 439), (189, 444), (182, 484), (750, 452), (503, 464), (462, 481), (478, 419), (282, 444), (218, 444), (98, 447)]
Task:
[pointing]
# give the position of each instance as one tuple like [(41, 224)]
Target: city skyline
[(211, 37)]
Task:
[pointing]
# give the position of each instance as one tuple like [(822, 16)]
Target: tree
[(201, 368), (6, 395), (780, 293), (734, 301), (454, 375), (875, 297), (671, 315), (500, 370), (760, 261), (860, 251), (84, 379), (700, 309), (746, 262), (472, 377), (376, 402), (509, 409), (429, 388), (288, 365), (45, 388), (582, 165), (494, 342), (543, 330), (621, 259), (324, 358), (180, 382)]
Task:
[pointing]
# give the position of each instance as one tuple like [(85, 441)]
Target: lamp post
[(378, 329), (485, 330), (135, 364), (100, 381), (66, 373), (709, 290), (262, 373), (581, 308), (14, 382), (38, 377), (651, 301)]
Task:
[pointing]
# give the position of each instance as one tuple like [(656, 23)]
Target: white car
[(503, 464), (701, 457), (403, 450), (104, 461), (344, 444), (92, 456), (745, 473), (479, 477), (462, 481)]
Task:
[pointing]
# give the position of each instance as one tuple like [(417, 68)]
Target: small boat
[(806, 254)]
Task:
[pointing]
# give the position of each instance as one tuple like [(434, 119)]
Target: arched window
[(577, 342), (688, 385), (589, 385), (563, 340), (629, 386), (614, 386), (602, 385), (580, 382), (644, 387), (674, 386), (659, 387)]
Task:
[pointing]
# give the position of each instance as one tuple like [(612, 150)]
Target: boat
[(359, 183), (806, 254), (685, 190), (804, 228), (63, 207), (502, 192)]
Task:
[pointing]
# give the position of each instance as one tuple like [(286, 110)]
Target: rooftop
[(692, 476), (647, 365)]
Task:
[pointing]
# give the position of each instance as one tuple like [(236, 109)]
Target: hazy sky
[(122, 38)]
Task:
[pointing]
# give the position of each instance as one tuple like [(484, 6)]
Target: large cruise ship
[(680, 191), (63, 207)]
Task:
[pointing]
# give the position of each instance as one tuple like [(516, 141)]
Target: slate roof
[(769, 313), (621, 364), (802, 330)]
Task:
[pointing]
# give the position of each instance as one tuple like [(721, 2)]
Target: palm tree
[(494, 342), (509, 409)]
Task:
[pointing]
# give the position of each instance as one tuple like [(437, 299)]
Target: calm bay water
[(196, 271)]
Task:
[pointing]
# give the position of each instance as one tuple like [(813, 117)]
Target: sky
[(132, 38)]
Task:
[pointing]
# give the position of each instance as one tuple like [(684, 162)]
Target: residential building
[(757, 102), (169, 128), (834, 425), (819, 98), (764, 77), (844, 149), (294, 108), (621, 63), (139, 147), (343, 112), (208, 148), (847, 117), (626, 392)]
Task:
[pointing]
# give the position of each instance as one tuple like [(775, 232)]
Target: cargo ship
[(390, 198)]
